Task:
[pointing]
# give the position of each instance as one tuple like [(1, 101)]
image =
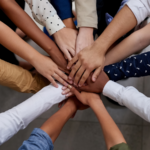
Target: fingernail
[(79, 85), (70, 78), (67, 67), (94, 79), (63, 93), (70, 82)]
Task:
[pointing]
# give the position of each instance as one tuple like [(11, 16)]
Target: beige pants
[(20, 79)]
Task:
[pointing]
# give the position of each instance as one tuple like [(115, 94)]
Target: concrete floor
[(84, 132)]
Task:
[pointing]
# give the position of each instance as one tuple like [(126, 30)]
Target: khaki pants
[(20, 79)]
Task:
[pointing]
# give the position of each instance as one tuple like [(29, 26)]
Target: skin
[(55, 123), (112, 134), (14, 43), (93, 57), (136, 42), (26, 24), (84, 38)]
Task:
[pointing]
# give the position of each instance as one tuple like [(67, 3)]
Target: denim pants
[(38, 140)]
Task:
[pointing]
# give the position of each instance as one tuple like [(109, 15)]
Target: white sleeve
[(129, 97), (44, 13), (140, 8), (20, 116)]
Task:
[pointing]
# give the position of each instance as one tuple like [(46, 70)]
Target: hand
[(84, 97), (45, 66), (84, 38), (94, 87), (86, 61), (66, 39), (79, 106)]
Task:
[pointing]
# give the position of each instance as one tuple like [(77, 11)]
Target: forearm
[(122, 23), (54, 124), (20, 116), (111, 132), (20, 79), (132, 44), (129, 97), (14, 43), (136, 66), (25, 23)]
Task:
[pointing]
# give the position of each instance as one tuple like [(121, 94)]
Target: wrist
[(71, 107), (86, 30)]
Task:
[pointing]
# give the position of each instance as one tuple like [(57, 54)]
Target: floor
[(84, 132)]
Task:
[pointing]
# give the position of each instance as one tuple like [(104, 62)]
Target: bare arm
[(132, 44), (112, 134), (25, 23), (54, 124), (43, 64)]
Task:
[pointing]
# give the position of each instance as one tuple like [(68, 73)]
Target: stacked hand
[(85, 62), (66, 39)]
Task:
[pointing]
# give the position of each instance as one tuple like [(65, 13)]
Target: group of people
[(79, 66)]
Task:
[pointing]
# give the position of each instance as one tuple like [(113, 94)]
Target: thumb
[(96, 74)]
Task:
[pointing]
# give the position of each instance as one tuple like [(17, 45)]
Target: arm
[(20, 116), (136, 66), (25, 23), (44, 13), (20, 79), (129, 97), (132, 44), (112, 134), (47, 67), (87, 21), (52, 127), (93, 57)]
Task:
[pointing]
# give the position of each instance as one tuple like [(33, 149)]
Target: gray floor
[(84, 132)]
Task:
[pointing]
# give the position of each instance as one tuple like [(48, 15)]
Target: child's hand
[(83, 97)]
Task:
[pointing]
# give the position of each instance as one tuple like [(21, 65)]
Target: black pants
[(106, 6), (5, 54)]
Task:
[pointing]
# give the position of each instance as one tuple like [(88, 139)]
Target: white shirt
[(20, 116), (129, 97), (140, 8), (44, 13)]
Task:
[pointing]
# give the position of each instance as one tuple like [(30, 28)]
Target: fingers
[(72, 51), (63, 76), (68, 55), (74, 70), (53, 82), (58, 78), (84, 78), (96, 74), (76, 92), (73, 60), (79, 75)]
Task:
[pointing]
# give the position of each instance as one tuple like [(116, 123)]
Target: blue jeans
[(38, 140)]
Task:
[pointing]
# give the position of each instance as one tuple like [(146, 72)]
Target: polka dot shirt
[(44, 13)]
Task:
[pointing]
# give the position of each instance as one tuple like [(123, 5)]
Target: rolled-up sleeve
[(140, 8), (86, 13)]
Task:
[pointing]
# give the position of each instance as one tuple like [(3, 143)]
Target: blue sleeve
[(38, 140), (136, 66), (63, 8)]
